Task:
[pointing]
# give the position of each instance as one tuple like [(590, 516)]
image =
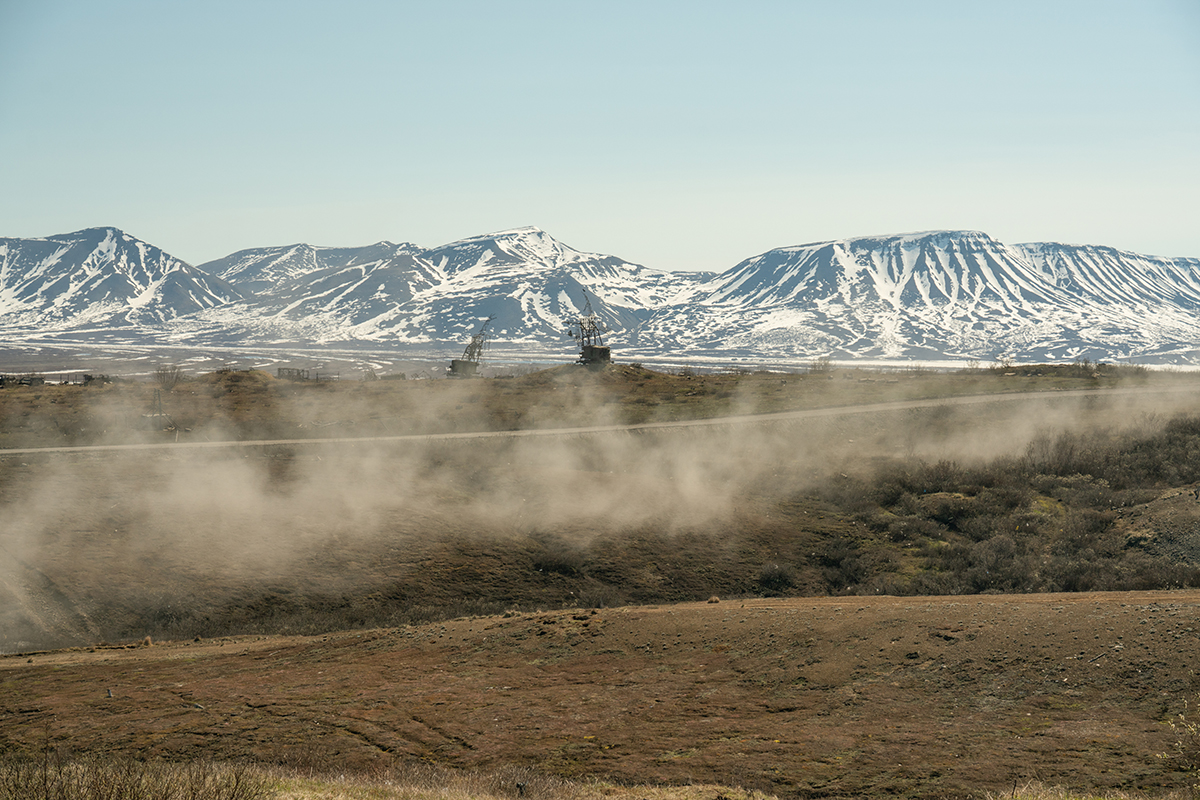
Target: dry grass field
[(811, 697), (985, 591)]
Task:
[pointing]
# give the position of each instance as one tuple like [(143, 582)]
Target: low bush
[(1043, 522), (776, 579), (1184, 754), (559, 556)]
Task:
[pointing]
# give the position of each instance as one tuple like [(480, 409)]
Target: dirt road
[(1183, 396)]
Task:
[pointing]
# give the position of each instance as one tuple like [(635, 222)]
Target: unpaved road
[(812, 697), (1178, 398)]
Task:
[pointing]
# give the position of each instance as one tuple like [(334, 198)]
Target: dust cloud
[(99, 545)]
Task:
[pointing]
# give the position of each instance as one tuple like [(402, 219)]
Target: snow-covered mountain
[(322, 293), (269, 270), (919, 296), (944, 294), (528, 282), (533, 285), (1118, 277), (99, 277)]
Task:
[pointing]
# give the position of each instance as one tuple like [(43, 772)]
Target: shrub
[(600, 596), (979, 529), (558, 556), (916, 477), (911, 527), (776, 579), (1185, 752), (951, 510), (1003, 498), (841, 564)]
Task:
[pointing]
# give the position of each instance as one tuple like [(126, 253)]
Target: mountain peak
[(101, 232), (935, 238), (522, 231), (515, 246), (99, 276), (508, 235)]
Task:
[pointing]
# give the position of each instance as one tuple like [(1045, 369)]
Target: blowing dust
[(111, 544)]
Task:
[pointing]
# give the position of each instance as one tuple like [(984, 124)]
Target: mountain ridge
[(945, 294)]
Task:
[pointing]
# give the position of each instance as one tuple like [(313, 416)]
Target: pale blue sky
[(679, 135)]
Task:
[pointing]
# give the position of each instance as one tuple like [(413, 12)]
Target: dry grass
[(1185, 752), (98, 778), (824, 697), (101, 778), (438, 784), (1040, 791)]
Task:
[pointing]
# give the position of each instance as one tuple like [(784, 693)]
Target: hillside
[(822, 697)]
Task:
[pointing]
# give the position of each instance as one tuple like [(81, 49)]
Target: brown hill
[(820, 697)]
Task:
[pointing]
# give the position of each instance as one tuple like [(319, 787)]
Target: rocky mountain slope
[(920, 296)]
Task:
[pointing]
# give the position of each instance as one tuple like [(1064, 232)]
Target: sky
[(681, 135)]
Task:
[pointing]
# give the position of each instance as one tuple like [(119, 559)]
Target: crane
[(468, 365)]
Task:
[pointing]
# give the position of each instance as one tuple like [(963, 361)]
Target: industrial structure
[(157, 419), (468, 365), (587, 330)]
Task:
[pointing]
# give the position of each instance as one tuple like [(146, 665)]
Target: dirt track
[(803, 697), (1177, 396)]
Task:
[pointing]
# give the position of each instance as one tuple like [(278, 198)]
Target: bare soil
[(809, 697)]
